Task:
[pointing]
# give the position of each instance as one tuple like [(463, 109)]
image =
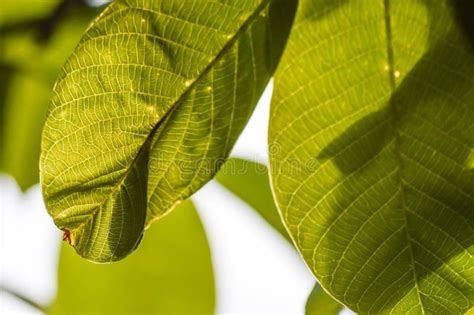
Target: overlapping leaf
[(372, 150), (149, 104), (171, 273)]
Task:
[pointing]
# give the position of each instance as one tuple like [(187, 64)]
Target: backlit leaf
[(372, 135), (147, 108)]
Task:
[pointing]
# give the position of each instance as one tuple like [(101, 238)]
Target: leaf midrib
[(228, 46), (395, 122)]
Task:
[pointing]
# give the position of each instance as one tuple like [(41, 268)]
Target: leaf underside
[(372, 152), (146, 109)]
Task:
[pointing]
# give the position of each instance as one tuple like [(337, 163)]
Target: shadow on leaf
[(428, 124)]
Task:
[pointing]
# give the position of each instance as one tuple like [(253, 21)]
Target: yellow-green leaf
[(372, 135), (321, 303), (146, 109), (31, 67), (14, 11)]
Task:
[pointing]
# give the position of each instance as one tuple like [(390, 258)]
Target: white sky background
[(257, 271)]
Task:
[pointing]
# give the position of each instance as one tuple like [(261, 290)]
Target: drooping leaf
[(372, 122), (31, 68), (171, 273), (250, 182), (321, 303), (149, 104)]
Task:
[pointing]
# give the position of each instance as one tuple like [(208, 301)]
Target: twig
[(23, 298)]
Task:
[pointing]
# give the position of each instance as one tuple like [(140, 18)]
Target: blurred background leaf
[(34, 46), (321, 303), (16, 11), (250, 182), (171, 273)]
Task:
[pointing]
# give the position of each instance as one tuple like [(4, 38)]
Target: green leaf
[(22, 120), (321, 303), (372, 151), (171, 273), (146, 109), (250, 182), (29, 69), (6, 73)]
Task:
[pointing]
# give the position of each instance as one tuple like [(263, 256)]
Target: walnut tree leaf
[(147, 108), (372, 134)]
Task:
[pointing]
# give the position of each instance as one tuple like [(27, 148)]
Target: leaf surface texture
[(372, 166), (146, 110)]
